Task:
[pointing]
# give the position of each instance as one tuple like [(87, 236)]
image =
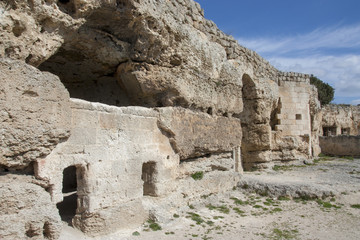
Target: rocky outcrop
[(34, 114), (26, 210), (340, 119), (196, 134)]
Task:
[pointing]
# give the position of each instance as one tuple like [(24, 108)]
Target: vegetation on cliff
[(325, 91)]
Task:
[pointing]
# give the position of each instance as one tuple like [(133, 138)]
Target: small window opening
[(298, 117), (329, 131), (67, 208), (148, 176), (345, 131)]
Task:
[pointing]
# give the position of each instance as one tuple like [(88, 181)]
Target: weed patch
[(283, 234), (195, 217), (197, 176), (153, 225), (222, 208), (327, 204), (355, 206)]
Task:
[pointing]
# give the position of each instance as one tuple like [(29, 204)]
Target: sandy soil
[(244, 214)]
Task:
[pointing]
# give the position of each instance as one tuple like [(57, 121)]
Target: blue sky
[(320, 37)]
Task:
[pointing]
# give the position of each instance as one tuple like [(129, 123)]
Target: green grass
[(326, 204), (283, 234), (195, 217), (168, 233), (239, 202), (222, 208), (283, 198), (286, 167), (240, 212), (276, 210), (355, 206), (198, 175), (153, 225), (347, 157)]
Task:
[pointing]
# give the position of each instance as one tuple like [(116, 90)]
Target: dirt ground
[(315, 201)]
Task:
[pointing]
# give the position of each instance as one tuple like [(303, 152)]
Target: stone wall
[(123, 155), (340, 145), (279, 120)]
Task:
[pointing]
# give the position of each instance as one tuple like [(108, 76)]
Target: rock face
[(26, 210), (34, 114), (340, 120), (146, 94)]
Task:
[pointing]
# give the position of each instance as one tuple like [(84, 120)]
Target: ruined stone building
[(340, 120), (109, 107), (340, 131)]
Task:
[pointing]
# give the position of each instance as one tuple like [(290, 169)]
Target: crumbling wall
[(292, 136), (279, 120), (342, 145), (125, 154)]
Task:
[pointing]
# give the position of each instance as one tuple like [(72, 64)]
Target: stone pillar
[(237, 158)]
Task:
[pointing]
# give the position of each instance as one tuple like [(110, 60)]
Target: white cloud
[(355, 102), (331, 38), (313, 53)]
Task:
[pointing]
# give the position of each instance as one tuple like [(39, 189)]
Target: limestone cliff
[(113, 105)]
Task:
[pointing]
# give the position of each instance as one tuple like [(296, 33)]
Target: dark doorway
[(67, 208), (148, 176), (329, 131)]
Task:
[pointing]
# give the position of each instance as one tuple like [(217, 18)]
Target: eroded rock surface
[(34, 114), (26, 210)]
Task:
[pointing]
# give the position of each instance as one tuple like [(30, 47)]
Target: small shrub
[(176, 215), (136, 233), (198, 175), (155, 226), (210, 223), (355, 206)]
